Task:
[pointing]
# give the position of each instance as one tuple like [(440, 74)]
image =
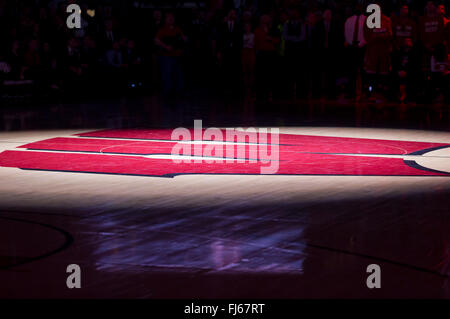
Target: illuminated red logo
[(149, 153)]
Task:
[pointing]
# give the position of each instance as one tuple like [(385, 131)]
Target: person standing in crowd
[(48, 68), (405, 71), (329, 42), (266, 40), (294, 36), (442, 15), (229, 52), (115, 67), (403, 27), (248, 59), (113, 57), (108, 35), (5, 69), (89, 58), (170, 40), (282, 66), (15, 61), (431, 30), (155, 24), (440, 72), (71, 62), (312, 66), (283, 19), (32, 61), (199, 52), (447, 37), (355, 45), (132, 61), (378, 54)]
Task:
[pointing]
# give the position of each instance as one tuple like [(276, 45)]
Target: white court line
[(167, 156)]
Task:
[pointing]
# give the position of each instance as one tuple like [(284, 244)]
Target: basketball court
[(140, 225)]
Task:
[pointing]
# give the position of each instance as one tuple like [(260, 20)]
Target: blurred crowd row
[(264, 49)]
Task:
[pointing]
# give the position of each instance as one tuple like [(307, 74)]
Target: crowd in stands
[(292, 49)]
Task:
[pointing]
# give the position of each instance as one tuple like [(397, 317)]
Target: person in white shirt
[(354, 30)]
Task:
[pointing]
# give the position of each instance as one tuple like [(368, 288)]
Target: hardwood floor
[(225, 236)]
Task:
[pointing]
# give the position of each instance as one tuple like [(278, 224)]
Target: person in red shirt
[(431, 27), (170, 38), (403, 27), (170, 41), (441, 13), (377, 62), (266, 40)]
